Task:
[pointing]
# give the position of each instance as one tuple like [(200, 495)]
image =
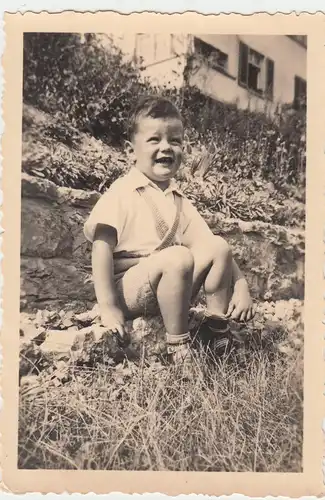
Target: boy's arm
[(104, 242)]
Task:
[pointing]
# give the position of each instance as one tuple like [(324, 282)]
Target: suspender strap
[(169, 238), (166, 234), (125, 260)]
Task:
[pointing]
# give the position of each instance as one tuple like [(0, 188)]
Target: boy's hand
[(241, 306), (112, 318)]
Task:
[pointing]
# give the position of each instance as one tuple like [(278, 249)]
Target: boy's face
[(158, 148)]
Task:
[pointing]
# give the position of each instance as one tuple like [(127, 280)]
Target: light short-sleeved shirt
[(123, 208)]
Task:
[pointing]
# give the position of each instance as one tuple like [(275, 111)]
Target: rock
[(88, 317), (270, 256), (29, 333), (59, 341), (67, 323), (55, 283), (60, 350), (45, 318), (94, 345), (33, 187), (29, 380), (77, 197), (44, 232), (146, 338)]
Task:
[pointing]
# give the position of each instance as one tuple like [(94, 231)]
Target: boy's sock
[(178, 347)]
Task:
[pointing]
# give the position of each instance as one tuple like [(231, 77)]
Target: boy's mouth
[(166, 160)]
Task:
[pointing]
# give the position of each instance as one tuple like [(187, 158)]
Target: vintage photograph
[(162, 252)]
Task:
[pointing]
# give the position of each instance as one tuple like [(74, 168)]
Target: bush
[(246, 143), (93, 87)]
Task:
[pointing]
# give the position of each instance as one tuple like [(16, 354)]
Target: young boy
[(152, 251)]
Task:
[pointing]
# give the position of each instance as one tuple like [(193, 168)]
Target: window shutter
[(269, 78), (296, 87), (300, 92), (296, 94), (303, 88), (243, 64)]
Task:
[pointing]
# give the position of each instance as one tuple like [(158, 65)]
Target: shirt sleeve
[(108, 210), (195, 227)]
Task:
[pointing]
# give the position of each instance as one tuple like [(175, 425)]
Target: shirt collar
[(137, 179)]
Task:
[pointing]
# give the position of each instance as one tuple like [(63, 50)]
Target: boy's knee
[(180, 260), (219, 248)]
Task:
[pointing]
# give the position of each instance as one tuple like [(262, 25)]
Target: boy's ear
[(129, 149)]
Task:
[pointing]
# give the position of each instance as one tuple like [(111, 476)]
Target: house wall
[(163, 58), (279, 48)]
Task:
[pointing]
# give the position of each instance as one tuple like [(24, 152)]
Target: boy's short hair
[(153, 106)]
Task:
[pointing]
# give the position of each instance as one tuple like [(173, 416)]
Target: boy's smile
[(158, 148)]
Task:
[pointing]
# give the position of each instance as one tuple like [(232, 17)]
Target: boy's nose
[(165, 146)]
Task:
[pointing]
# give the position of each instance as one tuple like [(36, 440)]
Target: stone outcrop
[(55, 264), (55, 343), (52, 339)]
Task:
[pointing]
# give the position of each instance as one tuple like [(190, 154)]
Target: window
[(214, 57), (255, 72), (300, 92)]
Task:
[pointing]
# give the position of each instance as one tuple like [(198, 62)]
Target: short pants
[(135, 292)]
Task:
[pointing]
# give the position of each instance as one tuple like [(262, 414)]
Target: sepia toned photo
[(161, 200)]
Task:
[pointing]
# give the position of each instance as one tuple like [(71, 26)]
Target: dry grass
[(228, 417)]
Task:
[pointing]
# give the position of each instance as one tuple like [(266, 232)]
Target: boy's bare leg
[(213, 268), (171, 276)]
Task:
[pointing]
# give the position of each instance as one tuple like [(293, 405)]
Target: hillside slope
[(56, 151)]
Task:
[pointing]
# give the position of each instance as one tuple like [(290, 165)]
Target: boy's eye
[(153, 139), (176, 140)]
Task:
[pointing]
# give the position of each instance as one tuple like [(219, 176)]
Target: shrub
[(247, 143), (93, 87)]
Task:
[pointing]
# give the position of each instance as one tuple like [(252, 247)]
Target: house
[(259, 72)]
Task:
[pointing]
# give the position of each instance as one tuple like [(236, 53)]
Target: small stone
[(88, 317), (58, 341), (285, 349), (41, 317), (67, 323), (119, 381), (29, 380), (30, 332), (297, 342)]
